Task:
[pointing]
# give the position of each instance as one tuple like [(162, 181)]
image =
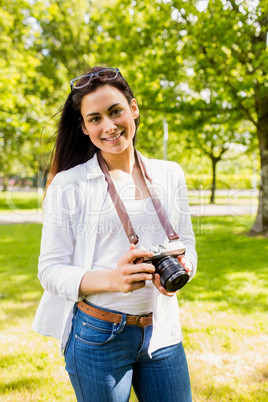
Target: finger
[(181, 259), (189, 270), (138, 260), (156, 280), (187, 265), (139, 268), (140, 277), (132, 255), (158, 285), (132, 246), (137, 286)]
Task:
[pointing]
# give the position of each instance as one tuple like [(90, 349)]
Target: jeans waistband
[(142, 320)]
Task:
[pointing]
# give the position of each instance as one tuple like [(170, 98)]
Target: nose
[(109, 126)]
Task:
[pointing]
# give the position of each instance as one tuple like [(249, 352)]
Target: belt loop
[(122, 324)]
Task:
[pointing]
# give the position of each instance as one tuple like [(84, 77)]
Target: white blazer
[(72, 207)]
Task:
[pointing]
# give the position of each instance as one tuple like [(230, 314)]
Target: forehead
[(101, 99)]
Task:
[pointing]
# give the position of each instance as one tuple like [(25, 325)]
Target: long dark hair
[(72, 146)]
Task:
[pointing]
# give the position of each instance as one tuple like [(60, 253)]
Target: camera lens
[(172, 274)]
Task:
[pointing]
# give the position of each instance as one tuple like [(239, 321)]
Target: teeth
[(113, 138)]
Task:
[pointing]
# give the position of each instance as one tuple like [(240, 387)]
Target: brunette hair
[(72, 146)]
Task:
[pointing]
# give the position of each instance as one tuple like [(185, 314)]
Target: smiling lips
[(114, 138)]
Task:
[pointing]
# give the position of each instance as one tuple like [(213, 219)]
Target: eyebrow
[(109, 108)]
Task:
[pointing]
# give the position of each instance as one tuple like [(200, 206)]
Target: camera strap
[(121, 210)]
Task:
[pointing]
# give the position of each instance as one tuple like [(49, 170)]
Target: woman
[(118, 324)]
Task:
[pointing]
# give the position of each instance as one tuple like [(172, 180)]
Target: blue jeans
[(104, 359)]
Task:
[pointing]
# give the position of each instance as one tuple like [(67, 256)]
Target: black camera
[(172, 274)]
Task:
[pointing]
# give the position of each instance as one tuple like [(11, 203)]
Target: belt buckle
[(138, 323)]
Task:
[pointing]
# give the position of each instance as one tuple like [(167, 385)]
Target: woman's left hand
[(187, 265)]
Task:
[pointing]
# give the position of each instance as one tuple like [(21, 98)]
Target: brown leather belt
[(142, 320)]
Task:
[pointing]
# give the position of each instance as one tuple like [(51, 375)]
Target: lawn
[(223, 315), (20, 200), (26, 200)]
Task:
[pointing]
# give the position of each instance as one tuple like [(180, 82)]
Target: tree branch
[(215, 66), (241, 104)]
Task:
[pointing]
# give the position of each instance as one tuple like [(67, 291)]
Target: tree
[(189, 63), (202, 69), (20, 104), (226, 45)]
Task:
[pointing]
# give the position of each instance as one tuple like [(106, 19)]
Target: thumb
[(132, 246)]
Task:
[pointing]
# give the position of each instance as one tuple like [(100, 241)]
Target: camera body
[(173, 276)]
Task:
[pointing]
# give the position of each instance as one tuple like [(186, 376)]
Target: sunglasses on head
[(104, 74)]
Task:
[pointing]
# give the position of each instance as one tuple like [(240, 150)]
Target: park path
[(34, 216)]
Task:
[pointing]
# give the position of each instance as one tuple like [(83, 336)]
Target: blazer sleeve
[(62, 207), (183, 223)]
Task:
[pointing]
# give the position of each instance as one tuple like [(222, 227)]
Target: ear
[(83, 127), (134, 108)]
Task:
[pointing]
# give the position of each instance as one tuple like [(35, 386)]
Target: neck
[(124, 162)]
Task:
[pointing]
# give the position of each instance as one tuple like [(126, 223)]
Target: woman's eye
[(116, 111), (94, 119)]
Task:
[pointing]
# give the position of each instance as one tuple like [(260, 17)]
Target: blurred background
[(197, 68)]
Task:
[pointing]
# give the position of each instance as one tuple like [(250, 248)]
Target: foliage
[(21, 106), (201, 65), (153, 46), (228, 62)]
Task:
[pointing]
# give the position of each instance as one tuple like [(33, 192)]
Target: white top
[(113, 242), (72, 209)]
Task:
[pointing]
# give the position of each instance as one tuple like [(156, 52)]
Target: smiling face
[(108, 119)]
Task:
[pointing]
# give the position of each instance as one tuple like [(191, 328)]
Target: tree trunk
[(213, 184), (5, 183), (261, 223)]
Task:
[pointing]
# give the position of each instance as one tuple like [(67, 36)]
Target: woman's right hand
[(131, 272)]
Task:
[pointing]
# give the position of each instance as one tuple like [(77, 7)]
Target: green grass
[(27, 200), (31, 367), (223, 315), (19, 200), (224, 198)]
